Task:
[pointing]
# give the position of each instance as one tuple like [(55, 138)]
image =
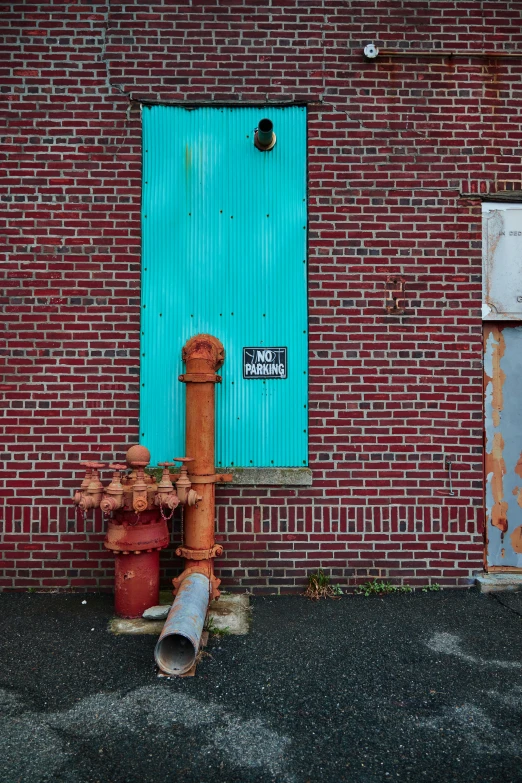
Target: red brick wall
[(394, 143)]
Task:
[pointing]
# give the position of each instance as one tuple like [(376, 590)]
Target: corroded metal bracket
[(395, 295), (199, 554), (213, 478), (199, 377), (214, 581)]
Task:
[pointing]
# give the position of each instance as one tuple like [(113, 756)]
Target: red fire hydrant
[(137, 509)]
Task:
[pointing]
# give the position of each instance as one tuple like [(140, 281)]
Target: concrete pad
[(137, 626), (498, 582), (230, 614)]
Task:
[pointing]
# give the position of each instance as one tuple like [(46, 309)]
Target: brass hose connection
[(139, 491), (166, 494), (187, 496), (91, 498), (84, 485), (113, 494), (138, 457)]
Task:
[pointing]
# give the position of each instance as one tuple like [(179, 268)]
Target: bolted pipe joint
[(264, 137)]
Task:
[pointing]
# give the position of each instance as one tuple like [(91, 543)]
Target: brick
[(392, 145)]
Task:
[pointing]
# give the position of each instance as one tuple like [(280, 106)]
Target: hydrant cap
[(137, 454)]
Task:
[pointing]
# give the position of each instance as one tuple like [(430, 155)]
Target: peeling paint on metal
[(496, 466), (503, 459), (516, 539), (501, 261), (495, 349)]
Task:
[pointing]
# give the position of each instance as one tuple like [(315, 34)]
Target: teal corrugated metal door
[(224, 252)]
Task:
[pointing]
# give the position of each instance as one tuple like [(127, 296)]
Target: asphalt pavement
[(419, 687)]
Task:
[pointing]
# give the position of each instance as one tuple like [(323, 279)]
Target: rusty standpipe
[(179, 642), (137, 511)]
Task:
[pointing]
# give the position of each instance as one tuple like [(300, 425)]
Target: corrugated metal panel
[(501, 261), (224, 252), (503, 451)]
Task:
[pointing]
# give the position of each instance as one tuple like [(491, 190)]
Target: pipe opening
[(264, 137), (175, 654), (265, 126), (179, 641)]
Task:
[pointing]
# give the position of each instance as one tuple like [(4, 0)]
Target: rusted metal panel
[(502, 261), (503, 445)]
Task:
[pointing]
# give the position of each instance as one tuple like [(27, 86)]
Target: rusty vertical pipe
[(203, 355), (178, 644)]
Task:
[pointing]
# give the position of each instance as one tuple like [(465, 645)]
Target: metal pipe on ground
[(178, 644)]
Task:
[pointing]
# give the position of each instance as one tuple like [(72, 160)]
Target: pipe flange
[(199, 554), (214, 581), (212, 478), (262, 148), (199, 377)]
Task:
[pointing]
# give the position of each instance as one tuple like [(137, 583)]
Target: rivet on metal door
[(503, 446)]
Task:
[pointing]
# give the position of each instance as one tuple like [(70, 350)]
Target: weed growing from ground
[(213, 630), (381, 588), (319, 587), (434, 588)]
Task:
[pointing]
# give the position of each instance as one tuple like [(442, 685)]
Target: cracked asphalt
[(420, 687)]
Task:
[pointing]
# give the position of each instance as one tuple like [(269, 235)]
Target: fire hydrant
[(137, 509)]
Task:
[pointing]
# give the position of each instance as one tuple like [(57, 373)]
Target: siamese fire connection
[(137, 509), (179, 642)]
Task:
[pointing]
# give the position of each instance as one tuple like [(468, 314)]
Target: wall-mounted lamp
[(371, 51)]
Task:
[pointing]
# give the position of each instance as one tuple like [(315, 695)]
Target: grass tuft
[(319, 587), (381, 588), (213, 630)]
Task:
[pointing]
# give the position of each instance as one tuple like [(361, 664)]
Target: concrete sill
[(275, 477), (499, 582)]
